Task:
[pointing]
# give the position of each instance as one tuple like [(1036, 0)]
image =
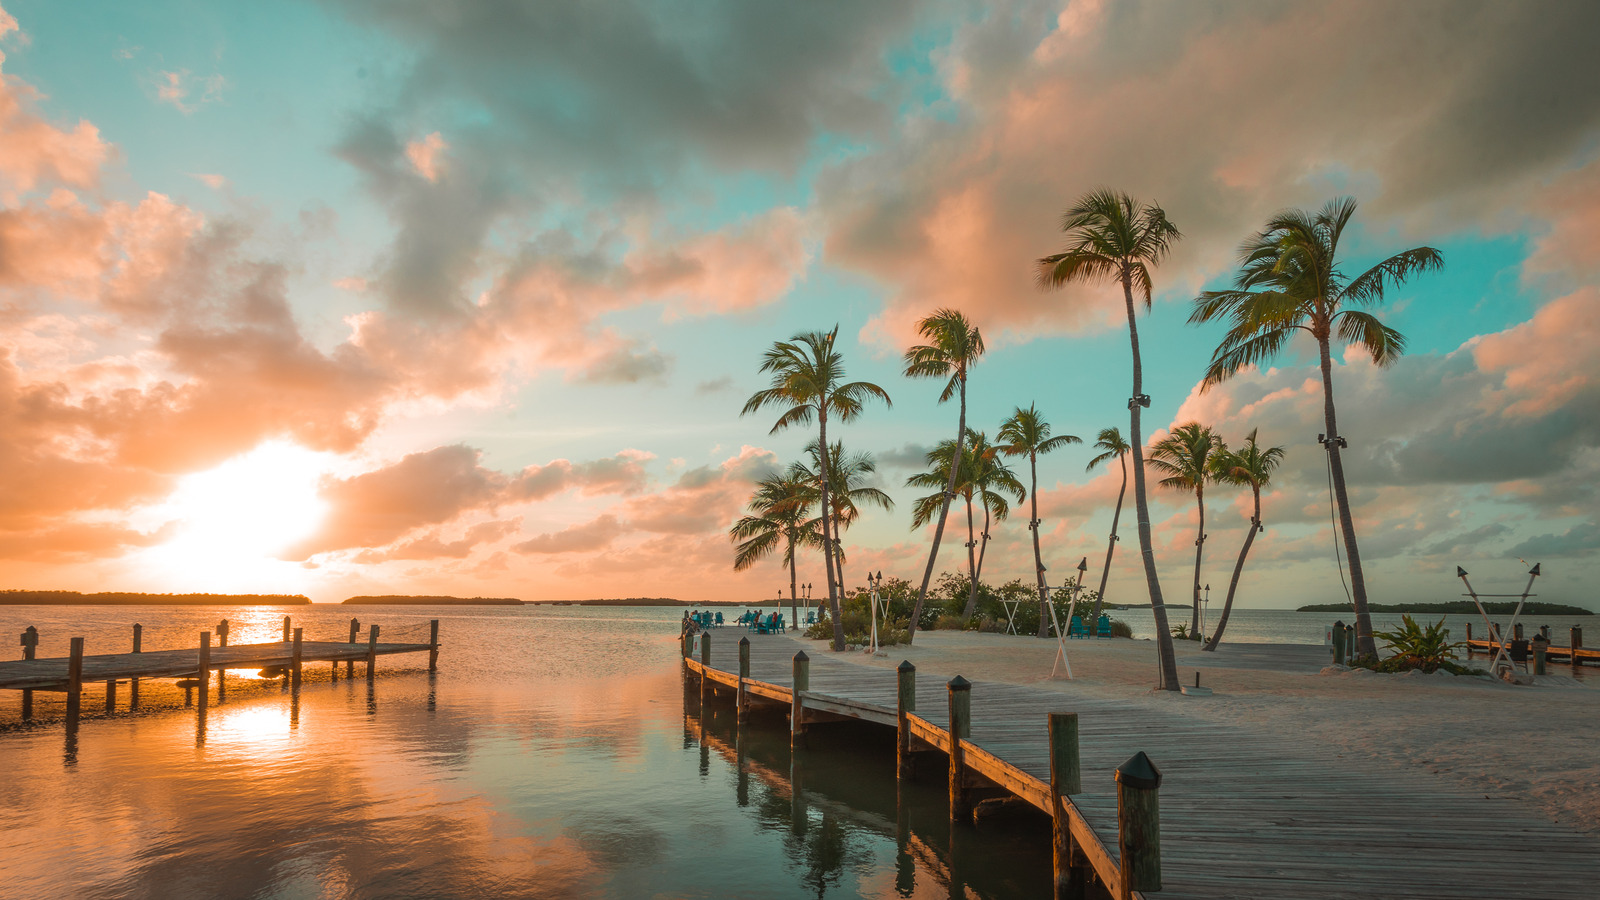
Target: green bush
[(1415, 647), (1121, 629)]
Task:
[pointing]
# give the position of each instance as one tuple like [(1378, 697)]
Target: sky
[(361, 297)]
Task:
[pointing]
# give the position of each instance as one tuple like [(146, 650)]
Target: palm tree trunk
[(1233, 585), (1158, 606), (944, 513), (1111, 545), (1199, 547), (972, 566), (1365, 645), (827, 543), (838, 561), (1038, 558), (983, 547), (794, 602)]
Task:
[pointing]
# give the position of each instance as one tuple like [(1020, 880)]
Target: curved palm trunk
[(944, 513), (983, 547), (1111, 545), (1199, 547), (972, 566), (1233, 585), (838, 561), (827, 542), (1158, 606), (794, 602), (1365, 645), (1038, 559)]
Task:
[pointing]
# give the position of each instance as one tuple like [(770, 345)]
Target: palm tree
[(806, 374), (1253, 466), (940, 476), (1184, 456), (846, 477), (1111, 445), (781, 516), (1289, 280), (1026, 432), (1110, 237), (988, 475), (954, 345)]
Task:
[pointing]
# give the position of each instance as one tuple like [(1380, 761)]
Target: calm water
[(554, 754), (1281, 626)]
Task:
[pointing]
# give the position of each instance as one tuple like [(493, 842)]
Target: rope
[(1333, 518)]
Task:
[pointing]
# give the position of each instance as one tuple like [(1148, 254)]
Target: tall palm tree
[(1111, 237), (1253, 466), (954, 345), (990, 477), (806, 383), (1289, 281), (964, 478), (1027, 433), (847, 477), (780, 516), (1111, 446), (1184, 456)]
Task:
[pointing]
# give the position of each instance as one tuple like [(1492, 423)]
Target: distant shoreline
[(125, 598), (411, 600), (1458, 607)]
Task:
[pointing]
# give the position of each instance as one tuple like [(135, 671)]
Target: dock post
[(905, 705), (203, 671), (133, 683), (30, 641), (433, 645), (960, 728), (705, 663), (1066, 777), (1139, 825), (1576, 643), (111, 696), (1469, 637), (294, 671), (1338, 643), (742, 704), (1544, 632), (372, 651), (74, 681), (797, 705), (286, 629), (1540, 645), (350, 664), (1516, 631), (222, 633)]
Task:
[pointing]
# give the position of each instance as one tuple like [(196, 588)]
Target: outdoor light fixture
[(1141, 399)]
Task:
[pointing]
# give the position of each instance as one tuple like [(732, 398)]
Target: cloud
[(623, 473), (427, 156), (432, 546), (215, 182), (177, 88), (714, 385), (595, 535), (907, 456), (34, 151), (1580, 540)]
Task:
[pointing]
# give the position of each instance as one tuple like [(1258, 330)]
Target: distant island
[(126, 598), (1499, 608), (647, 601), (411, 600)]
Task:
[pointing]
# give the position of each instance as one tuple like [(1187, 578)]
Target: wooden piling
[(222, 633), (286, 629), (1469, 633), (1540, 645), (294, 671), (1139, 825), (74, 681), (705, 662), (1066, 777), (905, 705), (350, 664), (741, 704), (372, 652), (1577, 642), (1516, 631), (111, 696), (203, 671), (960, 729), (30, 643), (433, 645), (797, 706), (133, 683), (1338, 643)]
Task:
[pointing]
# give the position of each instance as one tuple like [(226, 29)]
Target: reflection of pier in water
[(1243, 812)]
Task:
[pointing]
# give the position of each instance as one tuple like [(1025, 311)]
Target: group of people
[(695, 621)]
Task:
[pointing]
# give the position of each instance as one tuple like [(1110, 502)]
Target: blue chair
[(719, 620), (1076, 629), (1102, 628), (811, 617)]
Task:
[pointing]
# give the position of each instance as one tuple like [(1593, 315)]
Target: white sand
[(1539, 745)]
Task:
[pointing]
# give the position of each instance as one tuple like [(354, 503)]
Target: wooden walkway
[(52, 674), (1243, 814)]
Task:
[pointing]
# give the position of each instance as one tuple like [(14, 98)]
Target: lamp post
[(874, 582), (807, 595), (1205, 614)]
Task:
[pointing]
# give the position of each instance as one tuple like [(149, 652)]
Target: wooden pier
[(1240, 813), (193, 667)]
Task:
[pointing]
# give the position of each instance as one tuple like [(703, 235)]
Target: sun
[(229, 522)]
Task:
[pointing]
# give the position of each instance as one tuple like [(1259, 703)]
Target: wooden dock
[(1241, 813)]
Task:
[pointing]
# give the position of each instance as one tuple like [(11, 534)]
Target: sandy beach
[(1534, 745)]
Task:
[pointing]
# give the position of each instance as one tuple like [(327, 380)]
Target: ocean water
[(1285, 626), (554, 754)]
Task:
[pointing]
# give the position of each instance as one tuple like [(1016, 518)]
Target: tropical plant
[(991, 481), (1253, 466), (1111, 446), (953, 347), (1026, 433), (1416, 647), (780, 516), (848, 491), (1181, 632), (975, 476), (1184, 456), (806, 383), (1289, 281), (1111, 237)]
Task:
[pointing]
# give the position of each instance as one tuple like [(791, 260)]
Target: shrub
[(947, 622), (1416, 647), (1121, 629)]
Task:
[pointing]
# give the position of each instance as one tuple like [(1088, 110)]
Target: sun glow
[(230, 521)]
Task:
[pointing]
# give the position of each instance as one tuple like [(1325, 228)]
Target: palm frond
[(1384, 343)]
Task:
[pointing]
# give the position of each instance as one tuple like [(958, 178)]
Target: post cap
[(1460, 572), (1339, 623), (744, 642), (1534, 570), (800, 656), (1139, 772), (960, 684), (905, 666)]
